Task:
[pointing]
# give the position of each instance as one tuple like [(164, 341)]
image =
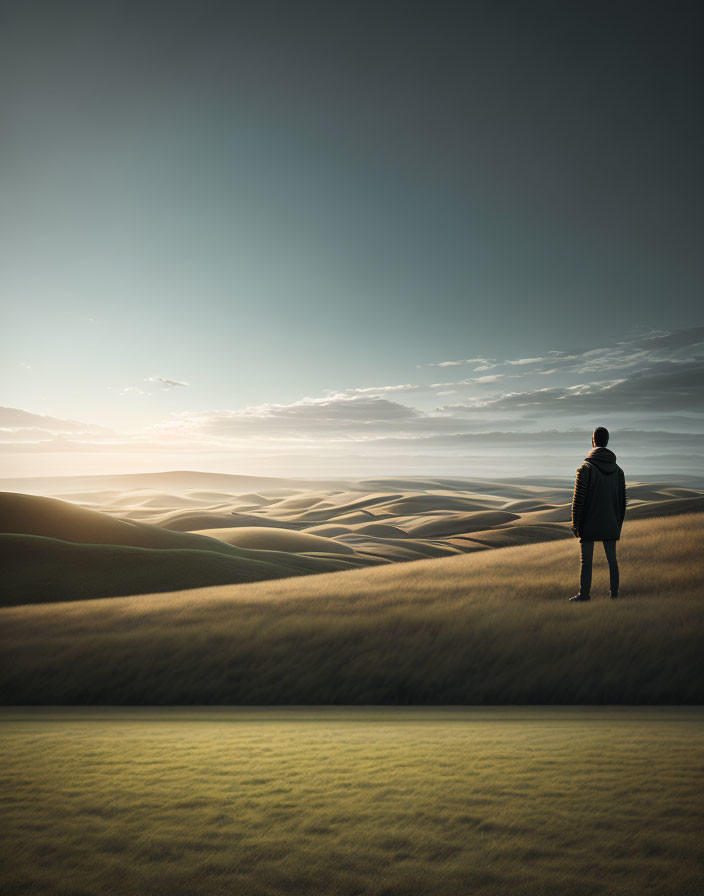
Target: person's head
[(600, 437)]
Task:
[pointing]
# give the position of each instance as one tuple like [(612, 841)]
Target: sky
[(350, 238)]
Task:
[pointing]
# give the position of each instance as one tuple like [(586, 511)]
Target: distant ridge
[(194, 479), (177, 479)]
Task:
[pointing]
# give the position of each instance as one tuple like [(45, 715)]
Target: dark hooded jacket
[(599, 500)]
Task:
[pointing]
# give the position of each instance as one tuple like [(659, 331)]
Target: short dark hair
[(601, 437)]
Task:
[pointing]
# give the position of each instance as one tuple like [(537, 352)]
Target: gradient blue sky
[(252, 237)]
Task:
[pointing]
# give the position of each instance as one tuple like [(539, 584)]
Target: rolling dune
[(52, 550), (269, 539), (366, 522), (453, 524), (185, 521)]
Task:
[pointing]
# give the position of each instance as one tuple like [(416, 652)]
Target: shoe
[(614, 596), (579, 599)]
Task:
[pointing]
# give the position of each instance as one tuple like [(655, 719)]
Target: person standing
[(598, 510)]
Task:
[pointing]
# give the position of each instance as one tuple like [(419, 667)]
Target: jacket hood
[(603, 459)]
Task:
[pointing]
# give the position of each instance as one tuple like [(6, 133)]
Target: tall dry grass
[(487, 628)]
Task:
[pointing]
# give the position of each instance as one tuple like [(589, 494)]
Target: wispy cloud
[(664, 386), (633, 352), (522, 361), (564, 374), (165, 383), (411, 388), (21, 430), (379, 390), (15, 419), (133, 390), (483, 363), (157, 383)]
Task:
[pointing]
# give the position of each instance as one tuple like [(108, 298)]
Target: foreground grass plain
[(340, 801), (487, 628)]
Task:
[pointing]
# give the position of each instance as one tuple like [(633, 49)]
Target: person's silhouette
[(598, 509)]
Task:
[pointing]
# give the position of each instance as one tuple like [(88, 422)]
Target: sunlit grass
[(488, 628), (350, 802)]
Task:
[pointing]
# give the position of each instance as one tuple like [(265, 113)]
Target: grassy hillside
[(52, 550), (490, 628), (50, 518), (40, 570)]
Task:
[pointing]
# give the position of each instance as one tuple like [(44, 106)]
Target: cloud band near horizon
[(650, 385)]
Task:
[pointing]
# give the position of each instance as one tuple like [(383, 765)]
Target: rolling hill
[(97, 543), (52, 550), (492, 627)]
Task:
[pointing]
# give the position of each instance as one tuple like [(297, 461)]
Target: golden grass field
[(491, 627), (393, 802)]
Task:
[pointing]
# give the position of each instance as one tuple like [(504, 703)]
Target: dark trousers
[(585, 572)]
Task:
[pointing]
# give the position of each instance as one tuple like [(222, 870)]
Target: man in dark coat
[(598, 509)]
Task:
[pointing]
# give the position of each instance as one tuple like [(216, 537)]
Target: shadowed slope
[(491, 627), (51, 550), (38, 570)]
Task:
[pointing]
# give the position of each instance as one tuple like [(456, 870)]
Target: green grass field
[(339, 801)]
